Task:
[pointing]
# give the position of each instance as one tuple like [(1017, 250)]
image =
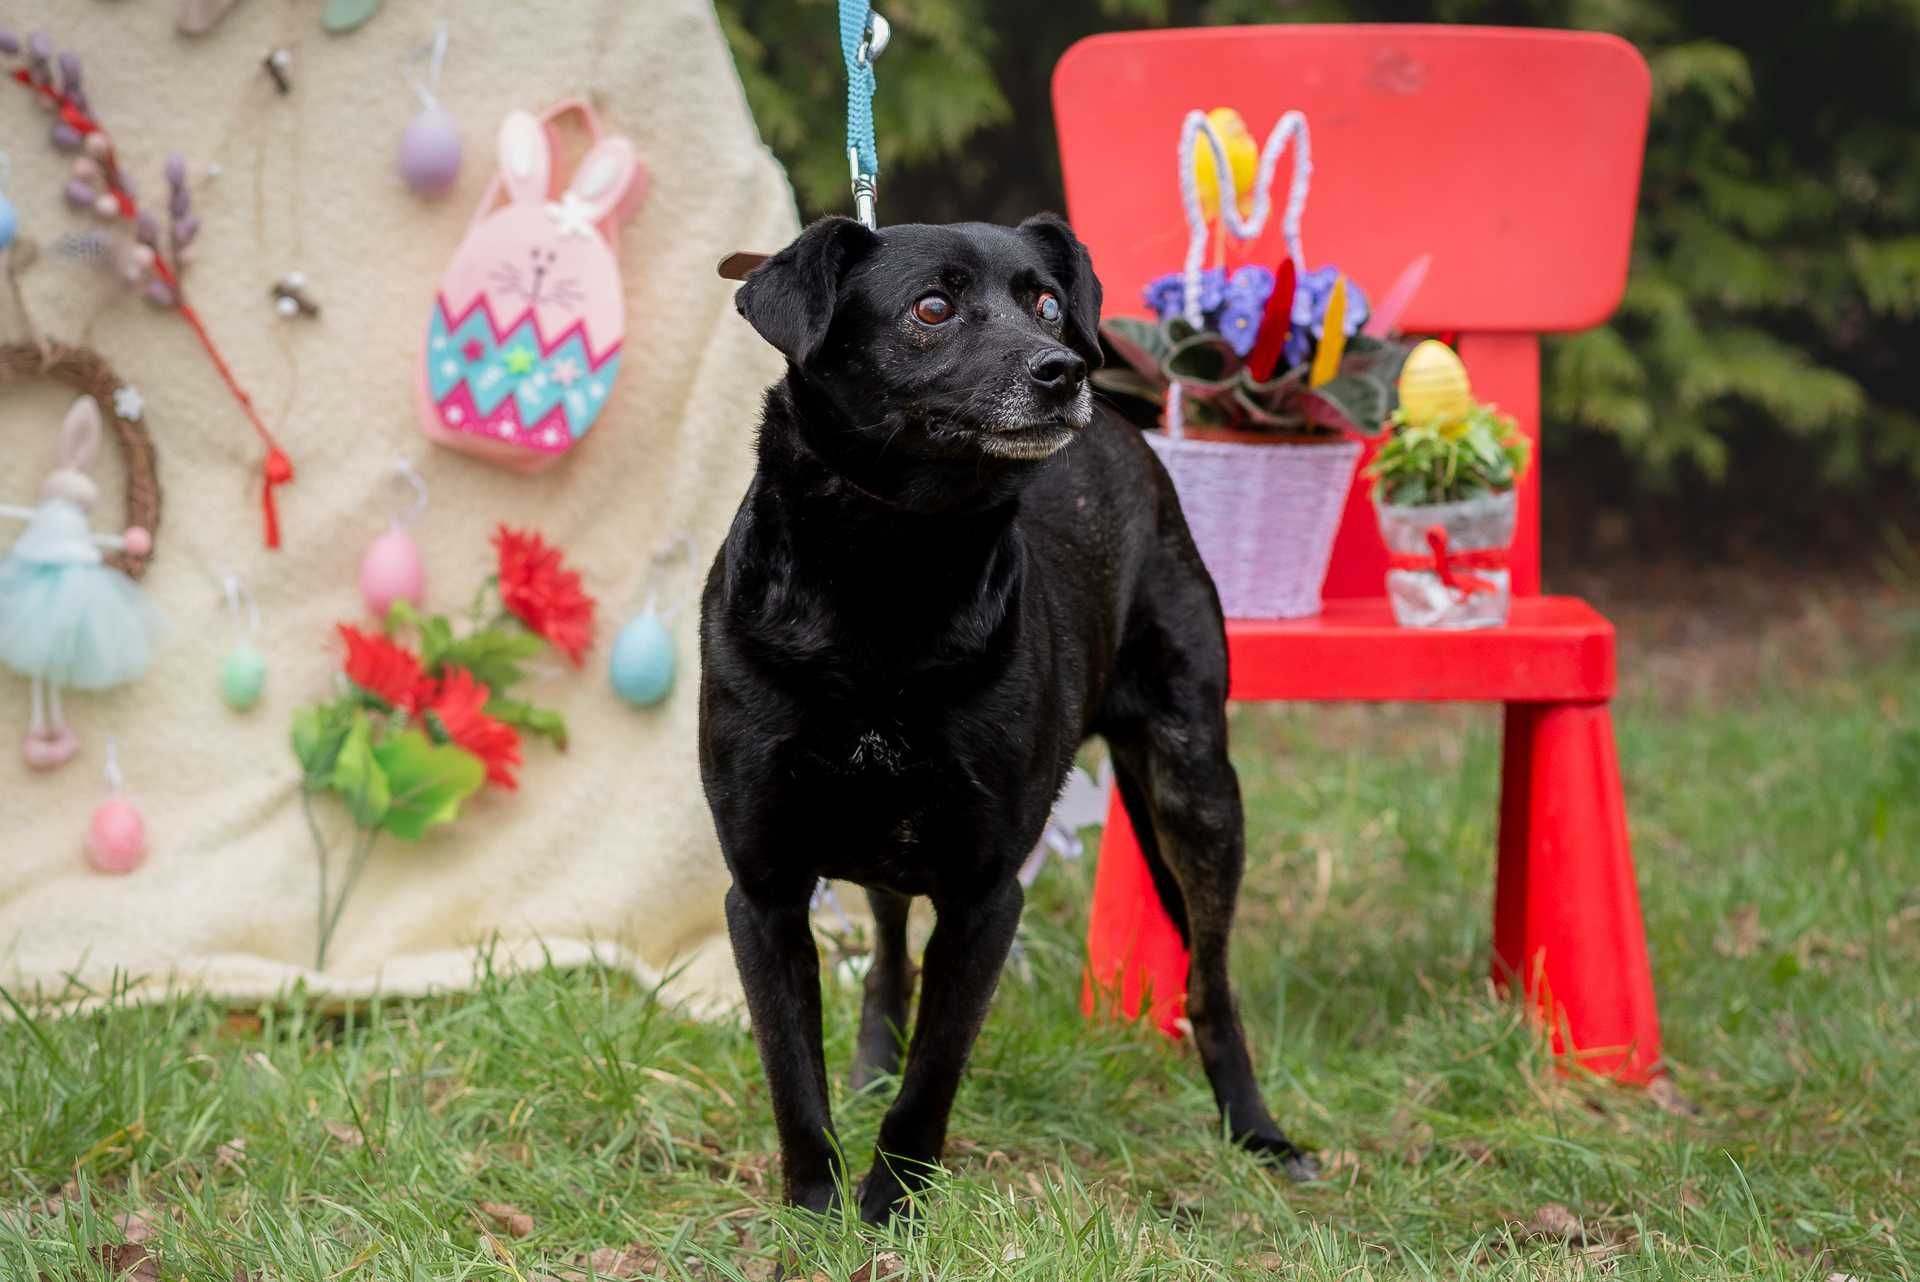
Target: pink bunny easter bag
[(529, 323)]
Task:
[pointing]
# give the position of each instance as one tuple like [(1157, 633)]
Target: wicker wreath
[(85, 371)]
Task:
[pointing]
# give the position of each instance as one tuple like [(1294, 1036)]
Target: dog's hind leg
[(889, 987), (969, 946), (1181, 792), (780, 971)]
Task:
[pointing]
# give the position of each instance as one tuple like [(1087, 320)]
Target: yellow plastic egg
[(1433, 384), (1243, 158)]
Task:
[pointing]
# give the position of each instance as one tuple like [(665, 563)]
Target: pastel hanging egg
[(116, 836), (9, 222), (430, 151), (243, 677), (1433, 385), (391, 571), (643, 661)]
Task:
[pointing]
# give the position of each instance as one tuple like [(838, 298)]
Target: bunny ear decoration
[(610, 181), (526, 159), (80, 437)]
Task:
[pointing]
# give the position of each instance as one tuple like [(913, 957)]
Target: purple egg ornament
[(430, 151)]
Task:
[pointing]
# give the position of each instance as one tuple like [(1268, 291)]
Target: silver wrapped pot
[(1448, 566)]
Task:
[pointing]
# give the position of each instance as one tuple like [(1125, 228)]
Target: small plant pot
[(1263, 510), (1447, 564)]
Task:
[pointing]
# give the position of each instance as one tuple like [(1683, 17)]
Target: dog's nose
[(1057, 369)]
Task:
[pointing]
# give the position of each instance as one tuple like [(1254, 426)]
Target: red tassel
[(1275, 323), (278, 470)]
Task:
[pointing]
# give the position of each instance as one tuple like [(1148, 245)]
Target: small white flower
[(449, 368), (571, 215), (596, 391), (506, 428), (454, 415), (552, 437), (127, 403)]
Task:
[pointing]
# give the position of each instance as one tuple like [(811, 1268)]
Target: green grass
[(1778, 841)]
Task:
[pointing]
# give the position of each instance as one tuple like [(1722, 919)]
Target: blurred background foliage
[(1776, 276)]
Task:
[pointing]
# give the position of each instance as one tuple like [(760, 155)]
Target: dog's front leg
[(780, 971), (971, 937)]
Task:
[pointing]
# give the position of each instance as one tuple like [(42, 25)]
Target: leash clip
[(874, 43), (865, 192)]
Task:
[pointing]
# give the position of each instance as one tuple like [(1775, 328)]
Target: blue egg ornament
[(643, 661)]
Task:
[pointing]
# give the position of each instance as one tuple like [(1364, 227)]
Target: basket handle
[(1291, 127)]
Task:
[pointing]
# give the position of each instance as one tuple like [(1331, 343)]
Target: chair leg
[(1566, 906), (1135, 956)]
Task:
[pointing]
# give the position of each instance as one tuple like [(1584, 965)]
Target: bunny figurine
[(526, 333), (66, 617)]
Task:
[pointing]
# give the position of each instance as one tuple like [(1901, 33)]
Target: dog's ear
[(1071, 263), (790, 298)]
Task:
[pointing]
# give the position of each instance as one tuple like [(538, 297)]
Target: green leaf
[(492, 655), (358, 777), (428, 781), (545, 722), (401, 614), (1142, 344), (1204, 363), (1350, 403), (318, 732)]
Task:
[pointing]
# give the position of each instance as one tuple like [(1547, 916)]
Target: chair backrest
[(1511, 156)]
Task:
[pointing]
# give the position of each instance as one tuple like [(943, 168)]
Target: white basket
[(1263, 517)]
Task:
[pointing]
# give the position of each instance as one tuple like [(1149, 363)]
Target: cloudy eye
[(1047, 308), (932, 310)]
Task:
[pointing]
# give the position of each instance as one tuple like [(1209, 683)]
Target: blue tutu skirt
[(86, 626)]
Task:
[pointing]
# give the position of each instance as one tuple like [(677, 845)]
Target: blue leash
[(863, 36)]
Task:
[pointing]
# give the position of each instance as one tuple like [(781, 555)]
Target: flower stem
[(320, 853), (362, 849)]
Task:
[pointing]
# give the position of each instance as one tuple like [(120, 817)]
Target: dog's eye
[(1047, 308), (932, 310)]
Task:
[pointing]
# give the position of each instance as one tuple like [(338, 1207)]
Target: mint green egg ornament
[(643, 661), (243, 676)]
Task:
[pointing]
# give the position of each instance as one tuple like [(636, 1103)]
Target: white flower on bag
[(127, 403)]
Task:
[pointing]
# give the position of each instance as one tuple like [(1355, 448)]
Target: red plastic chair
[(1513, 157)]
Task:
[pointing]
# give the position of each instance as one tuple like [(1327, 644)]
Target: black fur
[(951, 567)]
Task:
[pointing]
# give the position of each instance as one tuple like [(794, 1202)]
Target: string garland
[(276, 467)]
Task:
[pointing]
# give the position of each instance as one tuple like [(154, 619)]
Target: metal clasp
[(874, 43)]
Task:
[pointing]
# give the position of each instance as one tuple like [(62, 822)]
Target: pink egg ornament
[(391, 571), (117, 836)]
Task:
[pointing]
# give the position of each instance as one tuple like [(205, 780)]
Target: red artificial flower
[(460, 707), (382, 668), (542, 593)]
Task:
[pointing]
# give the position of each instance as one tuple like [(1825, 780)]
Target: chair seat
[(1552, 650)]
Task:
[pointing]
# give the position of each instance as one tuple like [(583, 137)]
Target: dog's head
[(967, 341)]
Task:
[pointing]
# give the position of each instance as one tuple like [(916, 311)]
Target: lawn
[(566, 1125)]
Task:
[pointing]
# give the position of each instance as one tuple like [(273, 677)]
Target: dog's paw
[(1278, 1151), (884, 1195)]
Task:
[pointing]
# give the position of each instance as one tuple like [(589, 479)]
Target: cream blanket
[(606, 850)]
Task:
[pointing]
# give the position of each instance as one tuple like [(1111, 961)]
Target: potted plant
[(1261, 409), (1443, 490)]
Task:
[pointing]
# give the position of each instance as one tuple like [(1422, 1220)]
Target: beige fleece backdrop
[(607, 848)]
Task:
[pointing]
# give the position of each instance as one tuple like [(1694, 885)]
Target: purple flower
[(1167, 294), (1229, 305), (1243, 300), (1310, 297)]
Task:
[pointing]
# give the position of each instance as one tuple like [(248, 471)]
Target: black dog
[(950, 569)]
